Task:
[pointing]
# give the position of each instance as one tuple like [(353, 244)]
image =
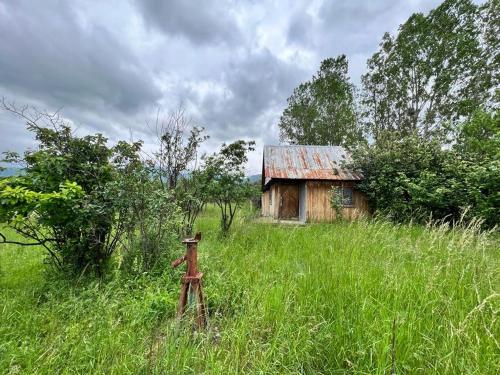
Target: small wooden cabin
[(297, 183)]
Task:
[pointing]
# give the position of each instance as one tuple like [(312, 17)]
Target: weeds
[(360, 297)]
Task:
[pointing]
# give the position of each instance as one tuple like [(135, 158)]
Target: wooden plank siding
[(275, 207), (265, 203), (315, 199), (270, 208), (319, 208)]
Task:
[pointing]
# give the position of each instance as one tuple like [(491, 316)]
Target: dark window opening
[(347, 197), (270, 197)]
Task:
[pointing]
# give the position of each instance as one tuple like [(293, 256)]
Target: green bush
[(227, 185), (412, 178), (158, 222), (65, 201), (81, 200)]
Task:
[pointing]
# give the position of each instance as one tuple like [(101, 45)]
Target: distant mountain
[(255, 178), (11, 171)]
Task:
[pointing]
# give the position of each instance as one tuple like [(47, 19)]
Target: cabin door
[(289, 202)]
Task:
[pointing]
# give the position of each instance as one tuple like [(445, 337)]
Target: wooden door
[(289, 202)]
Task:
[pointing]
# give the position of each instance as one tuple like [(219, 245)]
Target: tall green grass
[(366, 297)]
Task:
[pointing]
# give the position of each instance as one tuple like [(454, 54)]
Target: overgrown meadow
[(360, 297), (88, 228)]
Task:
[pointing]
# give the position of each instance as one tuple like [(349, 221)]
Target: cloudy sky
[(110, 65)]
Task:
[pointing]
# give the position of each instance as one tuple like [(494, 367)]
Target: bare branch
[(34, 117), (41, 242)]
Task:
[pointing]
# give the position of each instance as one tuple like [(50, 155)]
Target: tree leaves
[(322, 111), (227, 185), (438, 69), (413, 178)]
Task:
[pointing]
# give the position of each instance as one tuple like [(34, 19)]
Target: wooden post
[(191, 288)]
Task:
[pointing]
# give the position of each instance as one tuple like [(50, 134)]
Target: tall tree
[(227, 185), (432, 73), (489, 24), (322, 111)]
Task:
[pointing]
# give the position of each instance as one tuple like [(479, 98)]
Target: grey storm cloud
[(252, 83), (46, 53), (232, 64), (353, 28), (198, 22)]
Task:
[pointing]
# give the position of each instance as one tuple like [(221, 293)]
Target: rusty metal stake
[(191, 288)]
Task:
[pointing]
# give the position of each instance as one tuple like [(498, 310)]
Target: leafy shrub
[(336, 201), (191, 194), (410, 177), (63, 202), (227, 185), (81, 199), (156, 231)]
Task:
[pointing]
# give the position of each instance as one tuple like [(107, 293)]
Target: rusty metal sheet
[(306, 163)]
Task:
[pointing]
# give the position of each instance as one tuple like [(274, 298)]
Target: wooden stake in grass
[(191, 288)]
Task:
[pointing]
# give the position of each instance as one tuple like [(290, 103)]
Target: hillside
[(10, 171), (360, 297), (255, 178)]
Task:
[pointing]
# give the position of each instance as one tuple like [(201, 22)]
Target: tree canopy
[(322, 111), (227, 186), (436, 71)]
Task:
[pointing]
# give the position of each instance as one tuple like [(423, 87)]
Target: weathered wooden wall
[(265, 203), (270, 209), (275, 206), (302, 201), (318, 202)]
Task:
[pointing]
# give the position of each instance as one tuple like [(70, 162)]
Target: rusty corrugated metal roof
[(306, 163)]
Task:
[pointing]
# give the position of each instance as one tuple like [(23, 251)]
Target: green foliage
[(66, 200), (388, 168), (191, 194), (172, 165), (336, 200), (477, 151), (155, 221), (322, 111), (315, 299), (155, 237), (411, 178), (26, 200), (227, 185), (153, 215), (178, 144), (437, 70), (479, 138), (435, 151)]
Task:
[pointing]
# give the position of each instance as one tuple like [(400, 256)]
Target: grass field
[(361, 298)]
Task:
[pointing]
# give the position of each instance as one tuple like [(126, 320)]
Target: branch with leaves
[(228, 187)]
